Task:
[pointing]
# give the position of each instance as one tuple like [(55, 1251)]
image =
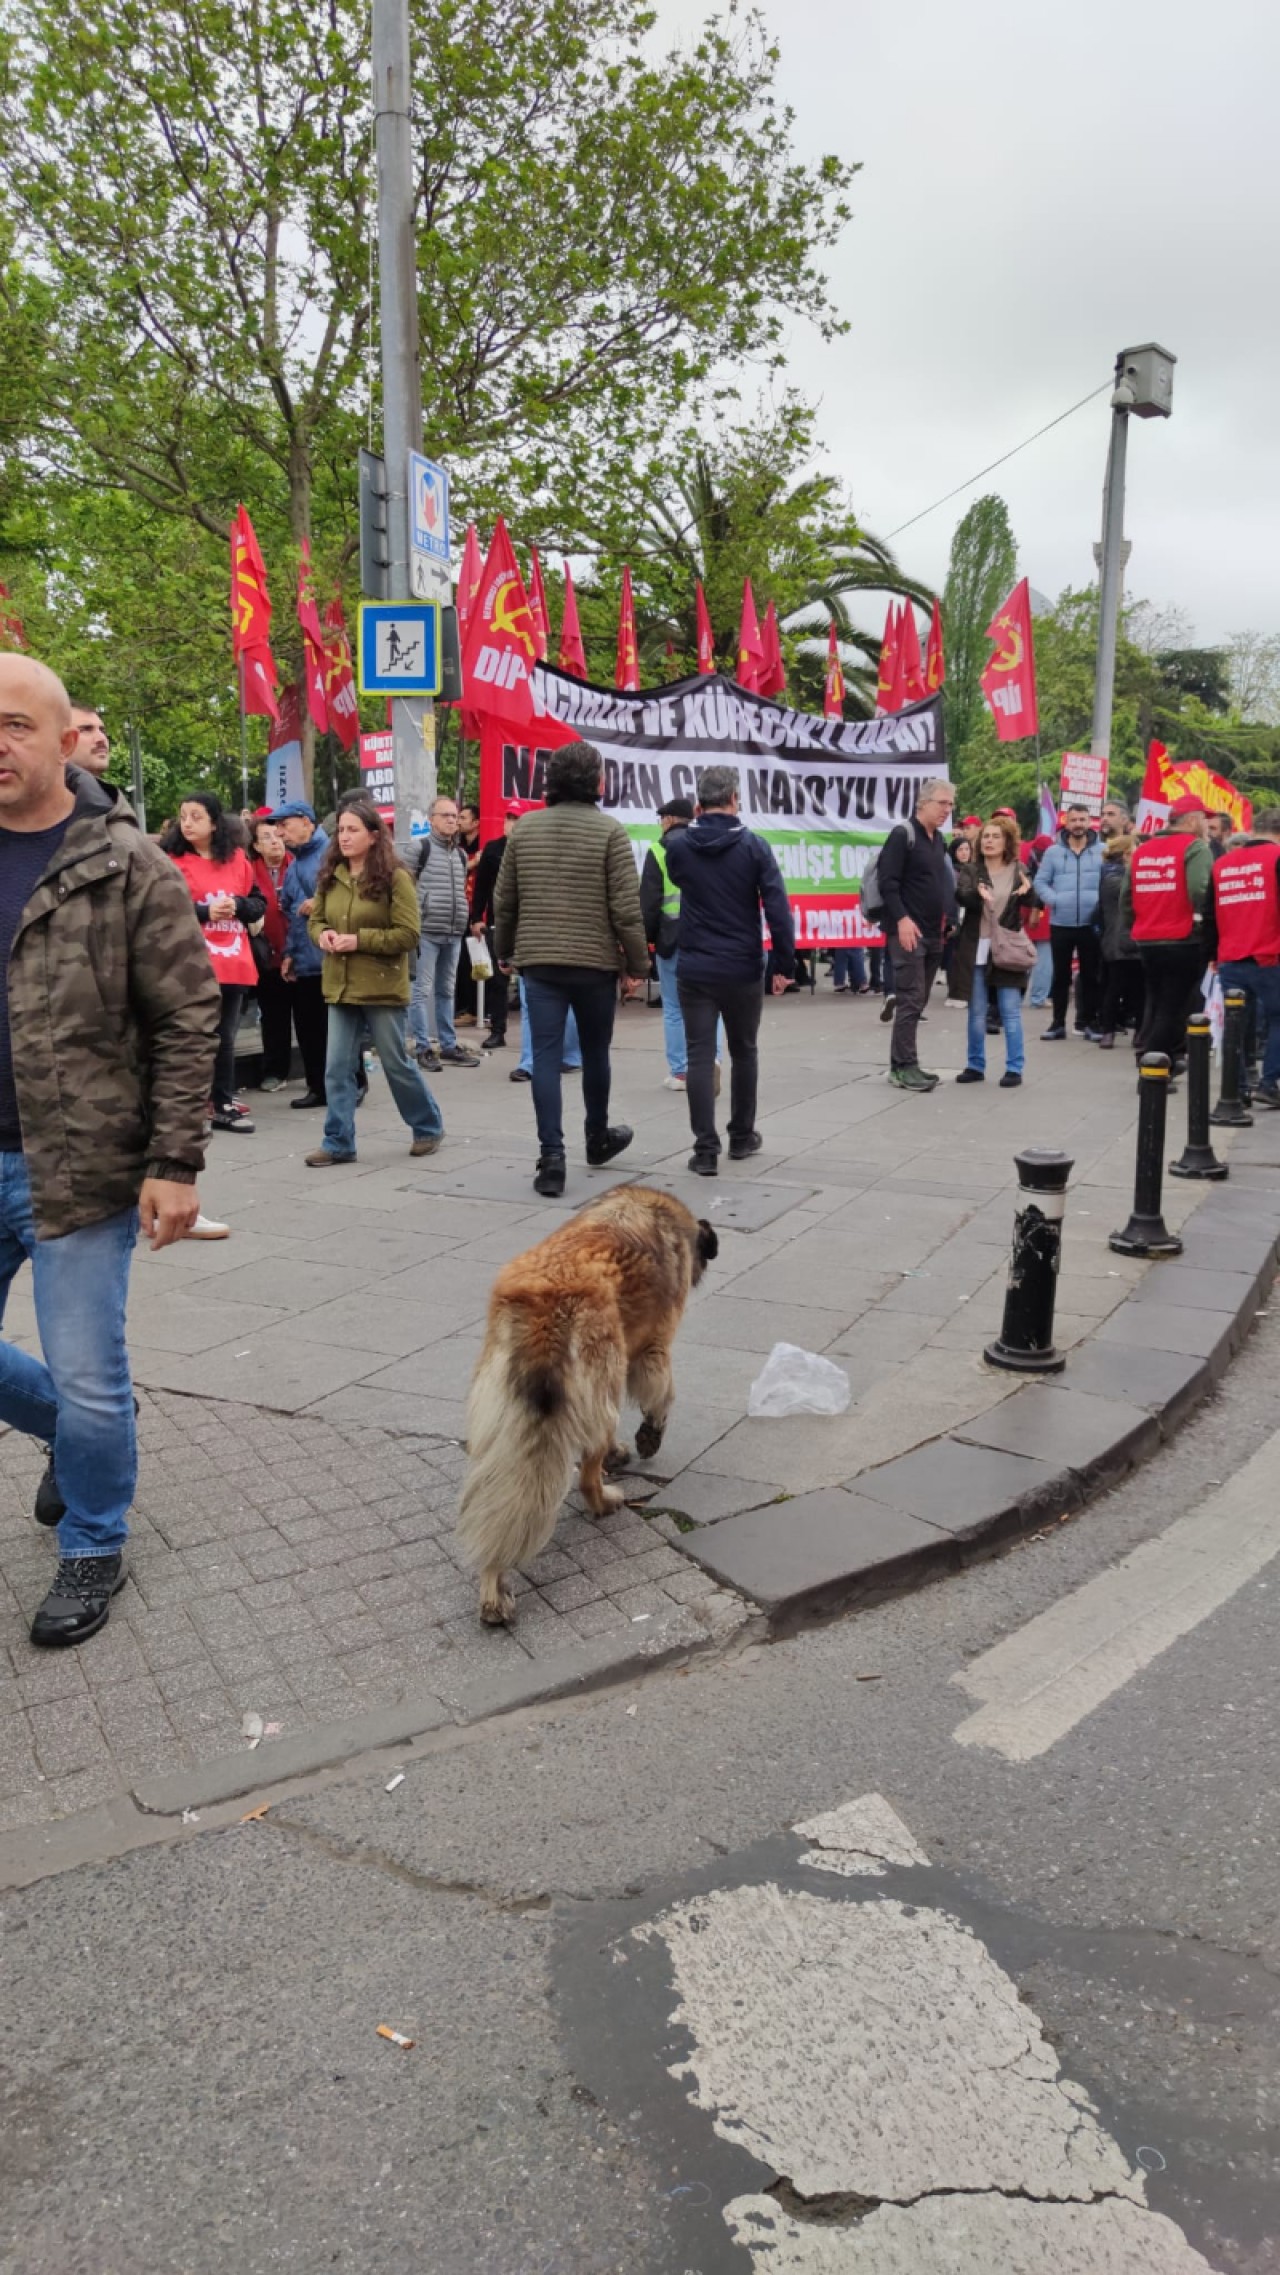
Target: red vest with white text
[(1162, 906), (1248, 905)]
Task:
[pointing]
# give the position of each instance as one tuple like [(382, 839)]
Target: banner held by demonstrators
[(1084, 781)]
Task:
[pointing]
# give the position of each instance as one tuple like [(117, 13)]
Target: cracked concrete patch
[(967, 2235), (875, 2050), (860, 1839)]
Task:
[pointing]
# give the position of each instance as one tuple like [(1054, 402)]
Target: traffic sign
[(399, 647), (429, 529)]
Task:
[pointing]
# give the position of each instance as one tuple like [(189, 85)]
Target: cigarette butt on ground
[(394, 2038)]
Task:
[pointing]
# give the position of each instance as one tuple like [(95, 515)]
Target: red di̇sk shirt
[(225, 937)]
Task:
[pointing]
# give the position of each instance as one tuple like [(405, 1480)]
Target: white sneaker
[(207, 1228), (674, 1082)]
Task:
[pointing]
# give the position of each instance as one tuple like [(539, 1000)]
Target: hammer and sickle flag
[(833, 687), (339, 678), (500, 647), (626, 674), (887, 677), (251, 621), (1009, 681)]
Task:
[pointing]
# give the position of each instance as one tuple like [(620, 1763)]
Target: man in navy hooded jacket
[(726, 875)]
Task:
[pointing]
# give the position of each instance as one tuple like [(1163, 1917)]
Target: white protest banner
[(823, 792)]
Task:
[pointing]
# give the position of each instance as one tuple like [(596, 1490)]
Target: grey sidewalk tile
[(819, 1547), (965, 1489), (1067, 1428), (1210, 1335), (1154, 1379), (1193, 1290)]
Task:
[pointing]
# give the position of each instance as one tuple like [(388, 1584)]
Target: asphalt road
[(194, 2084)]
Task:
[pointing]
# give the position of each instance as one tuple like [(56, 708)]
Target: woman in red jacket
[(202, 844), (270, 859)]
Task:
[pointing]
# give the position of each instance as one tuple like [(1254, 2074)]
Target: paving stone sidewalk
[(303, 1384)]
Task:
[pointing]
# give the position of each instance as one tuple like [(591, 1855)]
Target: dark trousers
[(497, 992), (465, 997), (914, 972), (275, 1006), (703, 1003), (1174, 970), (224, 1067), (551, 992), (1123, 995), (1068, 941), (311, 1022)]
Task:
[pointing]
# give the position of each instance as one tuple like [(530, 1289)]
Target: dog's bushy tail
[(546, 1389)]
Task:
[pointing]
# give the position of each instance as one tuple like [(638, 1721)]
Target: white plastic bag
[(1215, 1005), (478, 951), (793, 1381)]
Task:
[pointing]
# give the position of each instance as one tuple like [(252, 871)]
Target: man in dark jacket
[(725, 876), (919, 900), (108, 1024), (307, 844)]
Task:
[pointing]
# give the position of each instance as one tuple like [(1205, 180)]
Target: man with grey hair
[(918, 891), (441, 875), (726, 876)]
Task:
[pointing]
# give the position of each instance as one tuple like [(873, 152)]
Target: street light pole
[(1109, 579), (1143, 389), (412, 717)]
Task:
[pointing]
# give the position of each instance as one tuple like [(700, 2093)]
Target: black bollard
[(1025, 1342), (1229, 1113), (1145, 1234), (1198, 1158)]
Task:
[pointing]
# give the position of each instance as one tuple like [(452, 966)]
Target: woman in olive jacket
[(365, 920)]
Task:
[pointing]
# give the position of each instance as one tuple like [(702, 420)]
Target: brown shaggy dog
[(586, 1316)]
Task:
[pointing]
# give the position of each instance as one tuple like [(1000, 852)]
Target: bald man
[(108, 1028)]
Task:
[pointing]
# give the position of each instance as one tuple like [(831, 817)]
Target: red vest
[(1162, 909), (226, 939), (1248, 904)]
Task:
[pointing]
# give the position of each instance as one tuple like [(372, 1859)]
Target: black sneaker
[(519, 1074), (606, 1143), (740, 1148), (233, 1118), (548, 1177), (494, 1043), (458, 1057), (705, 1164), (971, 1074), (887, 1009), (50, 1507), (1054, 1035), (1011, 1082), (79, 1601), (429, 1060), (309, 1098), (1267, 1094)]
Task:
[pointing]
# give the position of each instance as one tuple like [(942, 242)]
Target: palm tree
[(734, 511)]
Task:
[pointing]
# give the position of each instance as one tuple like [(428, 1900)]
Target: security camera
[(1124, 398)]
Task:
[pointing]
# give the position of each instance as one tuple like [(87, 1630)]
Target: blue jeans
[(572, 1047), (431, 1010), (1010, 1002), (79, 1397), (386, 1023), (549, 998), (849, 968), (1261, 982), (1042, 976)]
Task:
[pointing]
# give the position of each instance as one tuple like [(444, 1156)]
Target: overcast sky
[(1042, 186)]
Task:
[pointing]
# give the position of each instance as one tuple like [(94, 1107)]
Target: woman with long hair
[(365, 920), (269, 859), (203, 843), (995, 895)]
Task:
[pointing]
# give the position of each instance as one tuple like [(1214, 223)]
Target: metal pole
[(1230, 1113), (412, 717), (1025, 1341), (1145, 1234), (244, 743), (1198, 1158), (135, 769), (1109, 583)]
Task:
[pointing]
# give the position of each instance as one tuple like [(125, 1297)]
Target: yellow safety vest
[(670, 892)]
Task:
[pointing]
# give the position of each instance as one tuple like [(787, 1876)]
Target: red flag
[(573, 656), (706, 637), (1009, 681), (750, 662), (251, 621), (470, 571), (887, 678), (501, 646), (627, 670), (935, 663), (312, 642), (833, 692), (538, 610), (773, 677), (910, 667), (341, 701), (12, 628)]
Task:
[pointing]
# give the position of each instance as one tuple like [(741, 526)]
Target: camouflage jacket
[(113, 1017)]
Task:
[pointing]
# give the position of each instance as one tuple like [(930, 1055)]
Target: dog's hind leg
[(497, 1601), (649, 1384), (599, 1497)]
